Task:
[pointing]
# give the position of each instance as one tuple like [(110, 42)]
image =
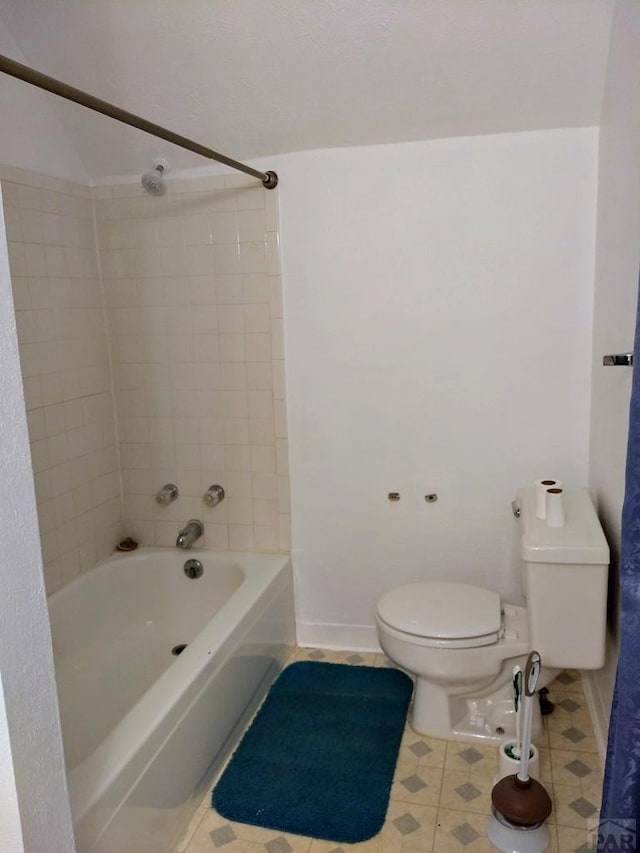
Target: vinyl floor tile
[(425, 751), (441, 793), (459, 831), (419, 785), (464, 756)]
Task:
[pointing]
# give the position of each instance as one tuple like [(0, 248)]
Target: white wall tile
[(263, 459), (251, 198), (257, 318), (241, 537), (223, 227), (266, 538), (252, 226), (258, 347), (238, 459), (226, 259), (192, 308), (64, 351), (197, 230), (264, 486), (232, 348), (256, 289), (265, 513), (262, 431), (231, 319)]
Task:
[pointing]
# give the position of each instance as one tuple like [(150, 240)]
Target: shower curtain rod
[(50, 84)]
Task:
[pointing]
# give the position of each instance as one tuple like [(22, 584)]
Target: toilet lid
[(443, 610)]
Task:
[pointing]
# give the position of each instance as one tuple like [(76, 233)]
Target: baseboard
[(357, 638), (599, 714)]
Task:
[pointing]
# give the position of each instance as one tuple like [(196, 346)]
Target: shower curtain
[(621, 794)]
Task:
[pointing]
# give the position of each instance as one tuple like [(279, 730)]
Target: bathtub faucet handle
[(167, 494), (190, 532), (213, 496)]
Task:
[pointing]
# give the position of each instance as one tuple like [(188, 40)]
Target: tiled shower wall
[(183, 297), (64, 356), (192, 284)]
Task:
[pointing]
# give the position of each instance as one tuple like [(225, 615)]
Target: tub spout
[(190, 532)]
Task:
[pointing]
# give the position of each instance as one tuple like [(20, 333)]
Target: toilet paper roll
[(555, 507), (541, 495)]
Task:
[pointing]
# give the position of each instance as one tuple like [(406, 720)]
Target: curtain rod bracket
[(270, 181)]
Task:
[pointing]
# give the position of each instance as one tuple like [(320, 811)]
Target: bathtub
[(144, 724)]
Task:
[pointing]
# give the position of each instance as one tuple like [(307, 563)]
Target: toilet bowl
[(461, 641), (461, 646)]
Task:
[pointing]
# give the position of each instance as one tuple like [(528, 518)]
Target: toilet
[(462, 641)]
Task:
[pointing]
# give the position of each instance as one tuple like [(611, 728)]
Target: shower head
[(153, 182)]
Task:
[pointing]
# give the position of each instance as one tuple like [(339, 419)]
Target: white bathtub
[(144, 729)]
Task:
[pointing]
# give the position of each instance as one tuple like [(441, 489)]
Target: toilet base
[(487, 719)]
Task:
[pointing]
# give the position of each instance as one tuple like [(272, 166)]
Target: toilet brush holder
[(508, 763)]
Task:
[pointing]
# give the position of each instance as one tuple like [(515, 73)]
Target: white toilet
[(461, 641)]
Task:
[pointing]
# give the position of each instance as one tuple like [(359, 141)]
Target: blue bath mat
[(319, 757)]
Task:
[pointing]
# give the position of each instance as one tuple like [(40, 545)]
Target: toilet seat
[(443, 614)]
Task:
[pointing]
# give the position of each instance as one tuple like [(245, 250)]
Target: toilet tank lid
[(581, 540), (441, 609)]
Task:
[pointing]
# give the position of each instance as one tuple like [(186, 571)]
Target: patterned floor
[(440, 799)]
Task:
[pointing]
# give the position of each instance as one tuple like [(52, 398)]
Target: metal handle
[(621, 359), (213, 496), (167, 494), (515, 509)]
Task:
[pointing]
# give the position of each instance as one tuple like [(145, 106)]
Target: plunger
[(520, 805)]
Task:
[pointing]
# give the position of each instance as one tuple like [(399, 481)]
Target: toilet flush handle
[(515, 508)]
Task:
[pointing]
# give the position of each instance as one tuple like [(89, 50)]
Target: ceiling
[(258, 77)]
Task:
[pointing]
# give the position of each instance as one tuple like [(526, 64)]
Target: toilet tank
[(564, 572)]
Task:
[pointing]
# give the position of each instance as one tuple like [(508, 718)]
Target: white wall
[(291, 76), (616, 288), (32, 138), (32, 134), (26, 660), (438, 308), (10, 829)]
